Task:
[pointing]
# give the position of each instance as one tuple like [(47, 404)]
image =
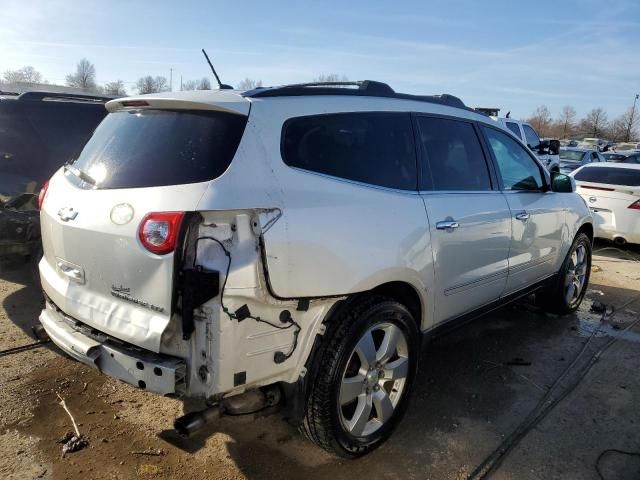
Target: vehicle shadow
[(24, 305), (609, 249), (474, 386)]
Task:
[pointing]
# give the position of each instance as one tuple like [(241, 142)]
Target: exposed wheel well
[(587, 229), (405, 294)]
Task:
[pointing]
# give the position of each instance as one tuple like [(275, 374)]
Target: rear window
[(151, 148), (374, 148), (614, 176)]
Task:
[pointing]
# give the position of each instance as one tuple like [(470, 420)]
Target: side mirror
[(554, 147), (562, 183)]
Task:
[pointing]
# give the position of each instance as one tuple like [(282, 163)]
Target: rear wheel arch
[(404, 293)]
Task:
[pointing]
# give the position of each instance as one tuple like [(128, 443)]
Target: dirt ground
[(475, 387)]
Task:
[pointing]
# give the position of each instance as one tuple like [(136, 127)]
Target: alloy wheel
[(575, 276), (374, 379)]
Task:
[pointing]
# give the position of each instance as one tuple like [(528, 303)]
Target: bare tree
[(115, 88), (249, 84), (629, 120), (540, 120), (566, 124), (84, 77), (330, 77), (26, 74), (595, 123), (203, 84), (151, 84), (190, 85)]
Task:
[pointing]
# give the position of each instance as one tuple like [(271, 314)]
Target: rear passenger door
[(469, 220), (537, 214)]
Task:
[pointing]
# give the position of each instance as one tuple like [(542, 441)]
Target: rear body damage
[(216, 341)]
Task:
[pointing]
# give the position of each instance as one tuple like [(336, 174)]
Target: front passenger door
[(537, 214)]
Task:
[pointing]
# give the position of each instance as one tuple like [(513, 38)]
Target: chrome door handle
[(447, 225), (524, 216)]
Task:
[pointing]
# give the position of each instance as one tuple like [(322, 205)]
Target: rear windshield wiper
[(80, 174)]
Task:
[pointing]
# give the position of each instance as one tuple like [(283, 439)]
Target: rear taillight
[(635, 205), (158, 231), (42, 194)]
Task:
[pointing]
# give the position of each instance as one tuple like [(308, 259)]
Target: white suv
[(288, 248)]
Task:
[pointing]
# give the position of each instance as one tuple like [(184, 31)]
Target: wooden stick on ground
[(64, 405)]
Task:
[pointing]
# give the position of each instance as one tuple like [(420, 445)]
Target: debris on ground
[(598, 307), (150, 452), (77, 441), (519, 362)]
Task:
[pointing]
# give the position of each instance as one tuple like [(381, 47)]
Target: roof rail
[(368, 88), (2, 92), (39, 95)]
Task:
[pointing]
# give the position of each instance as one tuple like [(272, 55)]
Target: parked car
[(546, 150), (612, 191), (598, 144), (572, 158), (625, 146), (623, 156), (290, 246), (614, 157), (39, 131)]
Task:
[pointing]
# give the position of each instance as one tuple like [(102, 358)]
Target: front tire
[(362, 377), (569, 289)]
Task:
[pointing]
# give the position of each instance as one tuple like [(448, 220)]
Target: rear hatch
[(609, 191), (149, 155)]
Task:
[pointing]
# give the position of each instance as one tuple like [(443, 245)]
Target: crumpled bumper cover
[(159, 374)]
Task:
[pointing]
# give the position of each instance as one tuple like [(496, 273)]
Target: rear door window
[(611, 175), (515, 129), (453, 156), (370, 147), (150, 148), (532, 137), (517, 168)]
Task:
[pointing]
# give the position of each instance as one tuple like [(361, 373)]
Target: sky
[(516, 55)]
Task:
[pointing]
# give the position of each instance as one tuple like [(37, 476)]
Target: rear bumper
[(159, 374)]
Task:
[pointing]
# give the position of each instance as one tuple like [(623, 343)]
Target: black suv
[(39, 132)]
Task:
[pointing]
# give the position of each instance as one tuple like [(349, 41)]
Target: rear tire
[(361, 377), (569, 288)]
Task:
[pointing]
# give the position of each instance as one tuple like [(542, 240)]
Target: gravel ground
[(468, 399)]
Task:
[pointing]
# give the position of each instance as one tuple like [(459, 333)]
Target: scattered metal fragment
[(152, 453)]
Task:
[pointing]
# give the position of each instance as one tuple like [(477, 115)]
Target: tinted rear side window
[(614, 176), (151, 148), (374, 148), (453, 154)]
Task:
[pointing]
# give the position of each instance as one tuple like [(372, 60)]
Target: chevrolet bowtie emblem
[(67, 213)]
